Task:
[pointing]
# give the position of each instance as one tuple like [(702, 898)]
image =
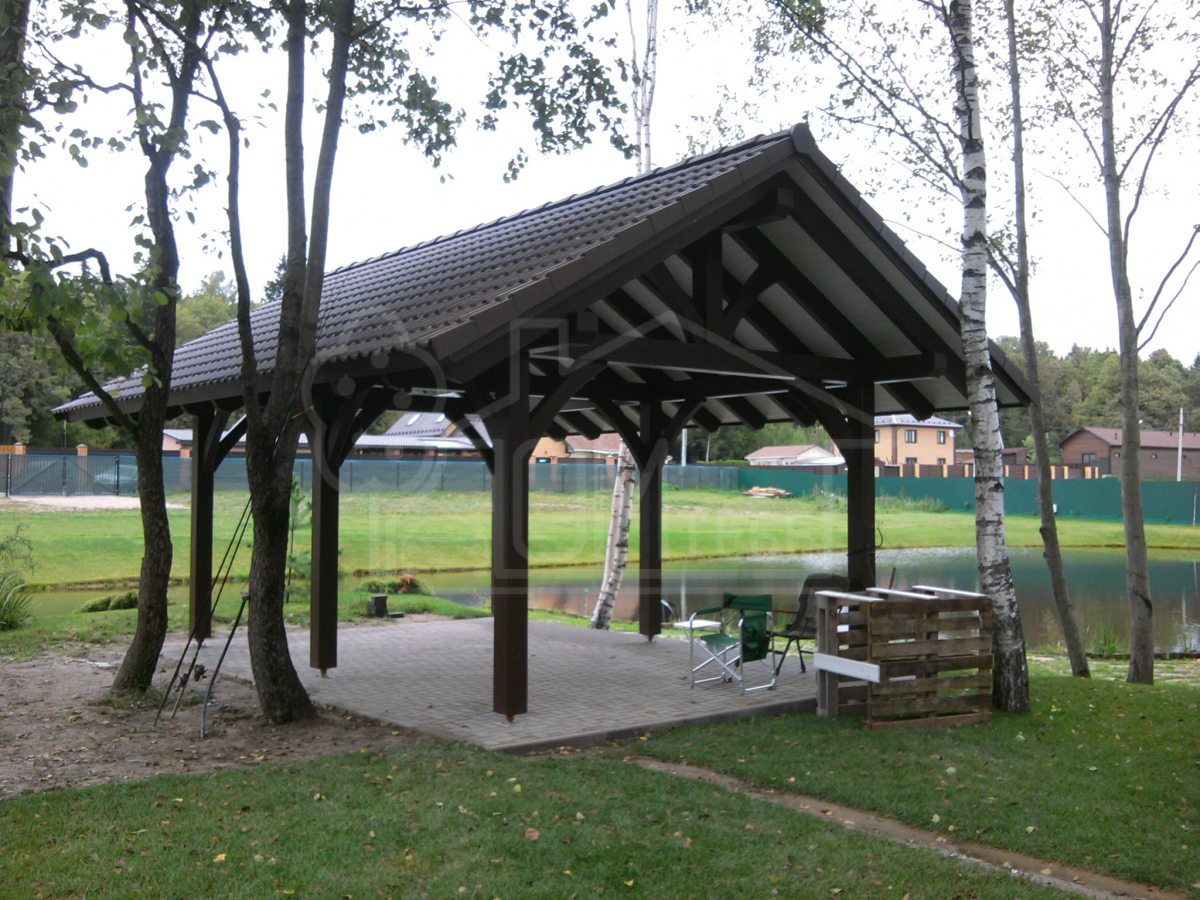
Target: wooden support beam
[(322, 646), (206, 433), (652, 426), (858, 449), (746, 411), (707, 272)]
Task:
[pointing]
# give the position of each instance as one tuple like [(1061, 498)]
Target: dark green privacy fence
[(35, 474)]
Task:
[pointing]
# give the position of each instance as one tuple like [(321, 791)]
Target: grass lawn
[(383, 533), (1100, 774), (444, 820)]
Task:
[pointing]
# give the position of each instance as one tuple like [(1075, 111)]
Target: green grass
[(387, 533), (443, 820), (1100, 774), (77, 629)]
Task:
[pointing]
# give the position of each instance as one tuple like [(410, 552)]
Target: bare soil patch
[(60, 728), (46, 502)]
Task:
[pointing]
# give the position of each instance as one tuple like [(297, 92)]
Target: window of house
[(1154, 456), (910, 460), (877, 435), (941, 437), (910, 435), (1089, 457), (941, 461)]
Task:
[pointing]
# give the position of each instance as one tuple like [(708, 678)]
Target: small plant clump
[(15, 609), (408, 583), (123, 600)]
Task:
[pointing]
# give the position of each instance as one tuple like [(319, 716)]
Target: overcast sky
[(386, 196)]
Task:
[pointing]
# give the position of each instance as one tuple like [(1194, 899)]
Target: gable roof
[(790, 451), (905, 419), (1151, 440), (833, 295)]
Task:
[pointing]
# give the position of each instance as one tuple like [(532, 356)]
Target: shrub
[(14, 602), (408, 583), (124, 600)]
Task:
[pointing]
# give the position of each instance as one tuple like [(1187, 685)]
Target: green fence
[(1162, 501), (52, 474)]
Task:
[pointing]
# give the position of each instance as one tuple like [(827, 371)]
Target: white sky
[(387, 196)]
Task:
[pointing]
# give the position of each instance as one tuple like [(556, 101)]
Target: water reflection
[(1096, 579)]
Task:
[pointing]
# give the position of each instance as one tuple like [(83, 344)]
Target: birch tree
[(1123, 76), (644, 73)]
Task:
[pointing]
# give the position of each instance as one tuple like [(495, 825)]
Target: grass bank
[(383, 533), (1100, 774), (445, 820)]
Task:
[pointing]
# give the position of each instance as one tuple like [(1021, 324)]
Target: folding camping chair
[(742, 637), (803, 624)]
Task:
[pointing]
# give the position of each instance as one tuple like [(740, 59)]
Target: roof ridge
[(678, 165)]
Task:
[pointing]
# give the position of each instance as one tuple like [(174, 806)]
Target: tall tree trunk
[(1049, 527), (1010, 671), (617, 553), (1137, 564), (14, 18), (645, 75)]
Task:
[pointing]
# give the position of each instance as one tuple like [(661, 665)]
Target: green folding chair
[(741, 642)]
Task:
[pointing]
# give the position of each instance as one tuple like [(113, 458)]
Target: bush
[(408, 583), (14, 602), (124, 600)]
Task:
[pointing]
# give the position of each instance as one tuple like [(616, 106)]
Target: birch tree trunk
[(1051, 550), (1010, 674), (1137, 565), (616, 556), (617, 553)]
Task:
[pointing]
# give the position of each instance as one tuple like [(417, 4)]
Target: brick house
[(904, 440), (1159, 453)]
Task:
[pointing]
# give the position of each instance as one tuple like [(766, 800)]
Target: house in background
[(1158, 455), (904, 440), (795, 455)]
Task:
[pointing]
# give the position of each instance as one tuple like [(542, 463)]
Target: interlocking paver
[(584, 686)]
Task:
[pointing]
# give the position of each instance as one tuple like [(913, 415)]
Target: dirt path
[(60, 729), (1065, 878)]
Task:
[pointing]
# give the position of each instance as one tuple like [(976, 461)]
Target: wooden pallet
[(905, 658)]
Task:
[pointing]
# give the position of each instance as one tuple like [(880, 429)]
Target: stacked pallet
[(905, 658)]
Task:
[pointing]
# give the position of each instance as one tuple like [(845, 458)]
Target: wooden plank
[(889, 687), (920, 648), (905, 667), (931, 704), (843, 666), (950, 592)]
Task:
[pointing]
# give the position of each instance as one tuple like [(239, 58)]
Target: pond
[(1096, 579)]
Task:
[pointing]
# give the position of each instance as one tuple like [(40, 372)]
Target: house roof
[(905, 419), (787, 451), (809, 291), (1151, 440), (607, 444)]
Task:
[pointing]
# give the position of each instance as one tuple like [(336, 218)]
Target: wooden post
[(650, 522), (204, 463), (323, 602), (510, 574), (859, 451)]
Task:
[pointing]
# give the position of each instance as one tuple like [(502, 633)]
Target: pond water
[(1096, 579)]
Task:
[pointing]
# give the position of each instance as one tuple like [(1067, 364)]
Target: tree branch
[(67, 347), (1162, 284)]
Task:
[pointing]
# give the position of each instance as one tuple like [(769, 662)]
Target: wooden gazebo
[(746, 286)]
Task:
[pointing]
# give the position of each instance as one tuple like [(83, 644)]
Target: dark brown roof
[(1151, 440), (848, 290)]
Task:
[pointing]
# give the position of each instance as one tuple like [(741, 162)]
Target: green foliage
[(408, 583), (215, 303), (122, 600), (16, 551), (15, 608)]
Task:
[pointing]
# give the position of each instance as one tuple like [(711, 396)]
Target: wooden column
[(858, 448), (510, 574), (650, 589), (323, 603), (205, 435)]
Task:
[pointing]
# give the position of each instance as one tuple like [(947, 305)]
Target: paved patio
[(585, 686)]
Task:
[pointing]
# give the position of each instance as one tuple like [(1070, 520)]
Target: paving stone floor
[(584, 686)]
